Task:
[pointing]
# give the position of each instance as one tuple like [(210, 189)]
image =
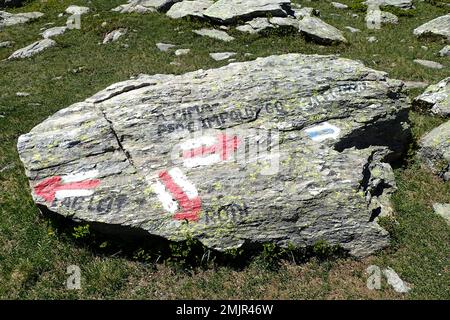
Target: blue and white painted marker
[(323, 131)]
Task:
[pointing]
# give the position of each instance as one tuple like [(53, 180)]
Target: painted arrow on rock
[(208, 150), (67, 186)]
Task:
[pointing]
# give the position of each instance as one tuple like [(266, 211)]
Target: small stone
[(104, 24), (52, 32), (6, 44), (394, 280), (429, 64), (424, 47), (338, 5), (352, 30), (182, 52), (215, 34), (372, 39), (445, 52), (114, 35), (165, 46), (442, 209), (436, 98), (414, 85), (77, 10), (218, 56), (22, 94), (320, 31)]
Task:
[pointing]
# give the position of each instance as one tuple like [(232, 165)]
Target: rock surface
[(320, 31), (429, 64), (144, 6), (165, 46), (286, 149), (442, 209), (445, 52), (219, 56), (214, 33), (53, 32), (435, 150), (114, 35), (189, 9), (227, 11), (32, 49), (395, 281), (9, 19), (77, 10), (436, 98), (439, 27)]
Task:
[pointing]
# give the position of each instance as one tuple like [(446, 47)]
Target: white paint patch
[(168, 203), (201, 161), (323, 131), (61, 194), (181, 180), (79, 176), (198, 142)]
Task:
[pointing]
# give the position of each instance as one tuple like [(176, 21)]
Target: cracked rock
[(435, 150), (290, 149), (439, 28), (32, 49), (436, 98)]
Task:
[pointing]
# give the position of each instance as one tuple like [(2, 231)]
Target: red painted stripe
[(191, 208), (47, 188), (223, 145)]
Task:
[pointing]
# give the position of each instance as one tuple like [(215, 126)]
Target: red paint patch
[(48, 188), (191, 207), (225, 146)]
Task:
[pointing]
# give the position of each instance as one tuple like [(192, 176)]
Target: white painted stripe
[(60, 194), (80, 176), (321, 136), (201, 161), (180, 179), (198, 142), (168, 203)]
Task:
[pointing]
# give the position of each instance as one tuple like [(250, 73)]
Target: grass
[(37, 250)]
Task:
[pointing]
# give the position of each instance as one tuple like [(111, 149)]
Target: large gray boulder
[(288, 149), (435, 150), (320, 31), (436, 98), (439, 27), (9, 19), (226, 11)]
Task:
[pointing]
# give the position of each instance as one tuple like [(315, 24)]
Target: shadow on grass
[(137, 245)]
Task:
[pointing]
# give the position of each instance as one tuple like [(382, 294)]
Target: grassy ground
[(36, 251)]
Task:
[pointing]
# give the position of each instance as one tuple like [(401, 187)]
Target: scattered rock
[(442, 209), (227, 11), (306, 12), (375, 18), (32, 49), (439, 27), (255, 25), (53, 32), (9, 19), (352, 30), (214, 33), (319, 31), (435, 150), (189, 9), (165, 46), (22, 94), (144, 6), (394, 280), (218, 56), (6, 44), (436, 98), (402, 4), (77, 10), (125, 144), (445, 52), (284, 22), (372, 39), (182, 52), (8, 166), (338, 5), (408, 85), (429, 64), (133, 7), (114, 35)]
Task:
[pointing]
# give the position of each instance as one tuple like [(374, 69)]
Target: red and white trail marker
[(74, 185), (175, 192), (208, 150)]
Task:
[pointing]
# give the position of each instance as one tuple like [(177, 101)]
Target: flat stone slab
[(435, 150), (429, 64), (439, 27), (9, 19), (77, 10), (53, 32), (219, 56), (402, 4), (189, 9), (288, 149), (436, 98), (215, 34), (320, 31), (227, 11), (145, 6), (32, 49)]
